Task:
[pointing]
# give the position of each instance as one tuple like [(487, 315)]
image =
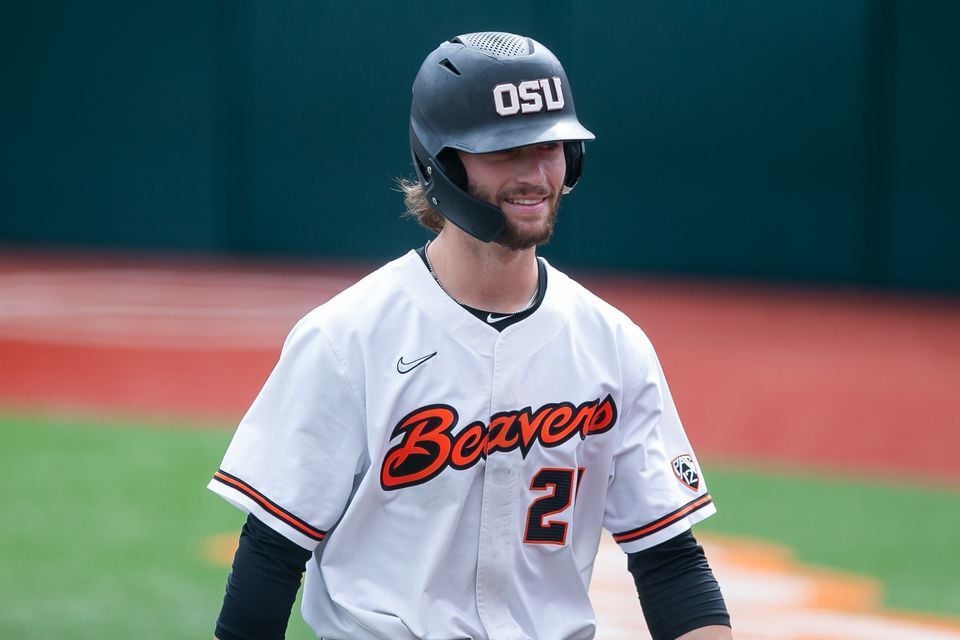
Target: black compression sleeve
[(677, 590), (262, 586)]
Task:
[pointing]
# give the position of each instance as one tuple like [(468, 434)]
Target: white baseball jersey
[(453, 479)]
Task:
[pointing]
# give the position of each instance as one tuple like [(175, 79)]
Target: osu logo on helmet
[(530, 96)]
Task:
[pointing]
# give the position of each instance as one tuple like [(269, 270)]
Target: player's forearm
[(714, 632), (262, 586), (678, 592)]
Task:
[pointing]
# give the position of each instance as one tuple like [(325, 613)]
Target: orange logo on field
[(428, 445)]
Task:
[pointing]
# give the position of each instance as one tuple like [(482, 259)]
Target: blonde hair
[(417, 205)]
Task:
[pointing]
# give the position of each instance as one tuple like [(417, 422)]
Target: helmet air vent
[(449, 66), (497, 44)]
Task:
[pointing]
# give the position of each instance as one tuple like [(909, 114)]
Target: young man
[(442, 443)]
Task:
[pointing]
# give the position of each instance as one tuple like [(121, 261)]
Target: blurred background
[(773, 195), (780, 140)]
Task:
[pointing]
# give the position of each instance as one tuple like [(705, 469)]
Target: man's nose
[(531, 167)]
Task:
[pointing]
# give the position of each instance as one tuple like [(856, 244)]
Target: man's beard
[(518, 238)]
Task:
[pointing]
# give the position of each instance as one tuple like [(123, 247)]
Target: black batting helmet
[(483, 92)]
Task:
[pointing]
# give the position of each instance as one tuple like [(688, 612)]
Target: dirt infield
[(770, 597), (850, 381)]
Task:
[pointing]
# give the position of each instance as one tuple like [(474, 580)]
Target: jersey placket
[(498, 513)]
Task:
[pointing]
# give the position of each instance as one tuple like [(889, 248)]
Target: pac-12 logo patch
[(686, 471)]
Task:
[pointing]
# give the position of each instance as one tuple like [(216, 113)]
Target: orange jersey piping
[(665, 521), (268, 504)]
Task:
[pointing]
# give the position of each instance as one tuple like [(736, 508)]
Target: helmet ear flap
[(453, 167), (480, 219), (449, 162), (573, 153)]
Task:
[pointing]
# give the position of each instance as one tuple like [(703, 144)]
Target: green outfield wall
[(800, 141)]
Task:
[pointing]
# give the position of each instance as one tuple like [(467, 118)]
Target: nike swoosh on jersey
[(407, 367), (491, 319)]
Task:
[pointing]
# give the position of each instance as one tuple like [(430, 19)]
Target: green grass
[(905, 536), (103, 525), (102, 530)]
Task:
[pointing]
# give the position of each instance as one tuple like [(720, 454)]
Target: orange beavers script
[(429, 446)]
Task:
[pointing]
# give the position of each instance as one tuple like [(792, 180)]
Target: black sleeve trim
[(262, 586), (678, 592)]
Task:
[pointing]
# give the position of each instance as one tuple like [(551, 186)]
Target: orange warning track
[(849, 380), (844, 379)]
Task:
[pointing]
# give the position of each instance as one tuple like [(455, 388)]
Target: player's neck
[(483, 275)]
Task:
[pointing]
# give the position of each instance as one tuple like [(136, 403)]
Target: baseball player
[(440, 445)]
